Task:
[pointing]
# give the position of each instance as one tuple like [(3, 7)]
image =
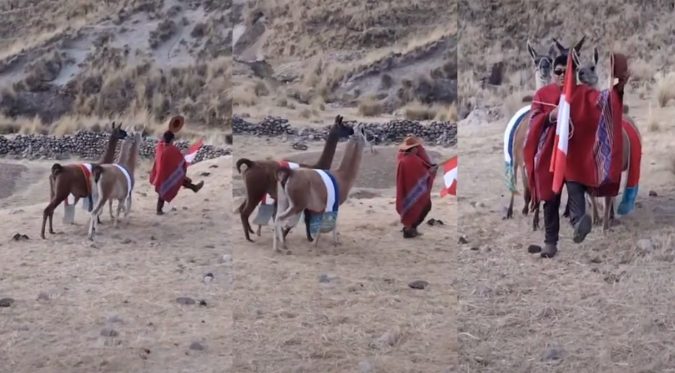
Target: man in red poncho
[(594, 155), (414, 178), (168, 172)]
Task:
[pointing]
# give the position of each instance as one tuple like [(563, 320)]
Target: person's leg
[(551, 227), (582, 222), (187, 184), (423, 216), (160, 206)]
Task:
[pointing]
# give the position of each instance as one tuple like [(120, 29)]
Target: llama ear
[(113, 125), (561, 48), (553, 51), (580, 44), (533, 53), (596, 56)]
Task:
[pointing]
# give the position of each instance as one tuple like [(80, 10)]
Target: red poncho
[(594, 156), (414, 181), (168, 171)]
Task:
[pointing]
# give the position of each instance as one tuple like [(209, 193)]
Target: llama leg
[(535, 218), (336, 241), (127, 208), (605, 218), (59, 195), (95, 213), (110, 209), (240, 209), (244, 215), (116, 219), (509, 210)]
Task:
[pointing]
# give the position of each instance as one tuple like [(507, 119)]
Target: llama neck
[(124, 152), (109, 155), (328, 153), (130, 162), (539, 82), (349, 167)]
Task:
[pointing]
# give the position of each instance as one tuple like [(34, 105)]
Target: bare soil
[(347, 308), (111, 305)]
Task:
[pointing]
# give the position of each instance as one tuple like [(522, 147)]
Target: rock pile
[(435, 133), (85, 145)]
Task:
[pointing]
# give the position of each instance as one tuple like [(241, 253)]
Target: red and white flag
[(192, 152), (450, 177), (562, 130)]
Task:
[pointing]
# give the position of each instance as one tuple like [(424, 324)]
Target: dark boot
[(410, 233), (160, 206), (196, 187), (582, 228), (549, 250)]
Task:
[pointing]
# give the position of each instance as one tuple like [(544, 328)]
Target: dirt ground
[(601, 306), (347, 308), (111, 305)]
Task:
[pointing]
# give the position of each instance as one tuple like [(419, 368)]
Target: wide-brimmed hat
[(410, 142), (176, 123)]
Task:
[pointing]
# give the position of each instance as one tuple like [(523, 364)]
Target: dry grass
[(650, 45), (323, 44), (120, 75), (578, 303)]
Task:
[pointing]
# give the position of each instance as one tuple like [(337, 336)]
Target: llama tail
[(244, 161), (56, 169), (97, 172), (283, 173)]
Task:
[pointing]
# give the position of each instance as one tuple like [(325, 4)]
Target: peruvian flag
[(562, 130), (192, 152), (450, 177)]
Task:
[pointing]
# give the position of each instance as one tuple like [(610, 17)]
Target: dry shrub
[(665, 88), (653, 124), (447, 113), (370, 107), (418, 111)]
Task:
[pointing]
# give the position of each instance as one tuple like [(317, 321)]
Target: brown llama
[(260, 180), (75, 179), (115, 181), (317, 193)]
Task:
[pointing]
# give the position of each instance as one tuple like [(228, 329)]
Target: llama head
[(361, 137), (343, 131), (586, 71), (118, 132), (543, 64), (562, 50)]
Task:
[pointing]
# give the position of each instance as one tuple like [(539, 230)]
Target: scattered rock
[(20, 237), (205, 174), (202, 303), (6, 302), (436, 133), (553, 356), (185, 301), (114, 319), (43, 296), (109, 333), (196, 346), (127, 241), (366, 367), (324, 278), (645, 245), (463, 240), (87, 145), (418, 284), (208, 278), (653, 193)]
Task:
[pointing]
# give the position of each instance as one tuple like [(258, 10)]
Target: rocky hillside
[(494, 36), (392, 53), (115, 57)]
